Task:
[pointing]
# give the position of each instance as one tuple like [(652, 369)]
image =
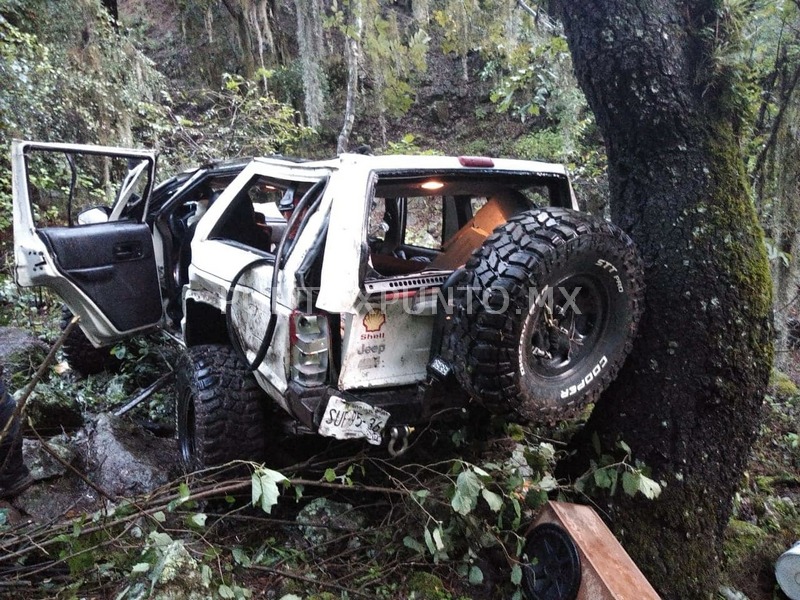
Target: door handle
[(127, 250)]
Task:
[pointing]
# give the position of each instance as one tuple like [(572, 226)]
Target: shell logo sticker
[(373, 321)]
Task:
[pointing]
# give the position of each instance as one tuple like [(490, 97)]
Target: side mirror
[(94, 215)]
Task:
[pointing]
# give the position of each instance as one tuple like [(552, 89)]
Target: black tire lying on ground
[(81, 355), (221, 410), (546, 313)]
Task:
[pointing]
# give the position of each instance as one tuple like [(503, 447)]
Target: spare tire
[(546, 313)]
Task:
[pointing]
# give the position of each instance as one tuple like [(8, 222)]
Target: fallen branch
[(158, 384), (317, 582)]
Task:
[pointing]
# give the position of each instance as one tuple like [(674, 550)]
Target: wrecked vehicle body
[(355, 297)]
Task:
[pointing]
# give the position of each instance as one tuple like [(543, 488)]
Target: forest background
[(205, 79)]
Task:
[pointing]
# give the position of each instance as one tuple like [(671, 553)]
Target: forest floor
[(766, 520), (350, 522)]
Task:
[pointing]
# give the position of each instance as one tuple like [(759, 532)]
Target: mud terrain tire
[(221, 410), (81, 355), (546, 313)]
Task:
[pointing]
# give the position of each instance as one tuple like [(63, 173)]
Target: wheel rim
[(553, 570), (559, 336), (187, 436)]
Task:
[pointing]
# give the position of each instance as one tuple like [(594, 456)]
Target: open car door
[(79, 228)]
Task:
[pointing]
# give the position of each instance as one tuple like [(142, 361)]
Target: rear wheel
[(547, 313), (81, 355), (221, 410)]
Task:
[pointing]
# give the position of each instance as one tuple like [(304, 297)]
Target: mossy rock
[(781, 385), (426, 586), (742, 539), (51, 412), (20, 354), (750, 554)]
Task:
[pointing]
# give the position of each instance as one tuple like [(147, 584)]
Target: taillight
[(309, 339), (475, 161)]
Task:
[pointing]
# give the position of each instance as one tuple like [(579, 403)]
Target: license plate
[(353, 420)]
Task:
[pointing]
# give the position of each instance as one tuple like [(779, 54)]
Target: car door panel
[(104, 268), (114, 265)]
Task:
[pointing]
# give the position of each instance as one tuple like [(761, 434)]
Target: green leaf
[(614, 474), (330, 475), (240, 557), (413, 544), (429, 542), (630, 482), (516, 432), (183, 492), (142, 567), (298, 492), (547, 451), (548, 483), (225, 592), (624, 447), (650, 488), (495, 501), (265, 490), (465, 499), (602, 479), (159, 516), (437, 539), (199, 519), (596, 444), (535, 498), (420, 495), (160, 539), (475, 575), (516, 574), (480, 471)]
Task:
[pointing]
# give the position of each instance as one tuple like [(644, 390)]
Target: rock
[(20, 352), (731, 594), (122, 459), (9, 516), (440, 111), (52, 499), (322, 520), (126, 460), (41, 463), (51, 413), (176, 575)]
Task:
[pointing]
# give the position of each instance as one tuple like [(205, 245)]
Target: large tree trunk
[(689, 397)]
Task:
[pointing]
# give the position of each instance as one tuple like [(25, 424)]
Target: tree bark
[(113, 11), (236, 10), (688, 400), (352, 53), (312, 53), (779, 193)]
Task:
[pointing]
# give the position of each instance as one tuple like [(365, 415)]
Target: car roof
[(399, 162)]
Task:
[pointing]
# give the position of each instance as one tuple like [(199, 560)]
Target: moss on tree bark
[(688, 399)]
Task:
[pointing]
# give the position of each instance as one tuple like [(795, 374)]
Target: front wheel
[(221, 410), (547, 313)]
